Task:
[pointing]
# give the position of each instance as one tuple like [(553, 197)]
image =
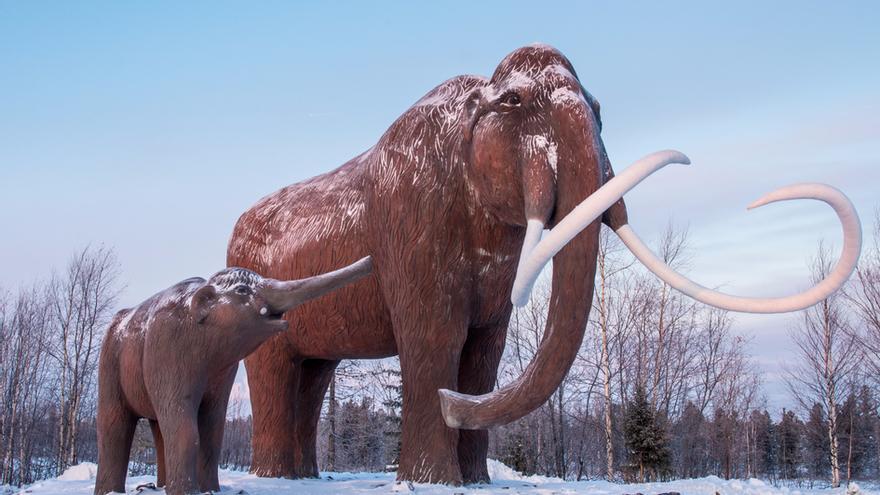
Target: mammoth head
[(248, 308), (535, 158), (531, 129)]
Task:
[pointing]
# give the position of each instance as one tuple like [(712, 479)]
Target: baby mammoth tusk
[(533, 259), (852, 245)]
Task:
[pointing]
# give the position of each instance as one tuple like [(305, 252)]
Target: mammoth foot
[(284, 471), (433, 472), (475, 474)]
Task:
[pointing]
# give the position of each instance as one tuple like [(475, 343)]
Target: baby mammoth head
[(240, 300)]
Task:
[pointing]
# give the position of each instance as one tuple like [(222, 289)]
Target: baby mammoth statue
[(173, 360)]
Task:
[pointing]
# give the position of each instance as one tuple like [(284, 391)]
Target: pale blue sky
[(151, 126)]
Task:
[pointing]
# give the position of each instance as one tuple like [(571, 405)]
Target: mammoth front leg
[(211, 423), (477, 374), (430, 348), (180, 429)]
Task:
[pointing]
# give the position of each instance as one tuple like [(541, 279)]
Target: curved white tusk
[(534, 229), (852, 245), (532, 262)]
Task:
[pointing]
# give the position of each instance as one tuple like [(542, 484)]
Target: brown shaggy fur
[(440, 202), (173, 359)]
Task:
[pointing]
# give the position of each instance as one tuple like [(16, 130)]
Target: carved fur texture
[(440, 203)]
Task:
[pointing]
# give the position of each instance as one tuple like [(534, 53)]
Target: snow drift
[(80, 480)]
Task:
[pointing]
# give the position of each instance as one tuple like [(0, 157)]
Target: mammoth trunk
[(573, 272), (574, 268)]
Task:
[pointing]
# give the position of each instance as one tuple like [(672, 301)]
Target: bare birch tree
[(828, 356), (864, 295), (610, 299), (671, 308), (717, 355), (26, 379), (83, 297)]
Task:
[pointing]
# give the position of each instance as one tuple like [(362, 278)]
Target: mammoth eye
[(510, 100), (243, 290)]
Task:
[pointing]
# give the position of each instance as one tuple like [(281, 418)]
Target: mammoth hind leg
[(477, 374), (315, 377), (116, 427), (160, 453), (286, 397)]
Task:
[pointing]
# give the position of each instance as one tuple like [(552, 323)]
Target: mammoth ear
[(615, 216), (471, 112), (202, 302)]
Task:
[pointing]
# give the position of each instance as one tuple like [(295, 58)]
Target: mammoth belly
[(350, 323), (131, 378)]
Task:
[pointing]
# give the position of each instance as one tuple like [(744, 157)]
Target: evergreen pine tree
[(394, 403), (817, 456), (513, 450), (645, 439), (867, 433), (723, 426), (856, 433), (762, 444), (690, 442), (788, 442)]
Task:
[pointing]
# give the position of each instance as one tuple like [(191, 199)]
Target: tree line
[(50, 338), (663, 387)]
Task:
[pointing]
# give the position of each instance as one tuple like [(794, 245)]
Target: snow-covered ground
[(80, 480)]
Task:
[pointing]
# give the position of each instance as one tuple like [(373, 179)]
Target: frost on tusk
[(852, 244), (532, 261)]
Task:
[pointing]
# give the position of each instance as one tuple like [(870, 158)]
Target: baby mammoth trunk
[(283, 296)]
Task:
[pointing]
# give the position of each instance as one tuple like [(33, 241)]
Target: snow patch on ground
[(80, 480), (499, 471), (81, 472)]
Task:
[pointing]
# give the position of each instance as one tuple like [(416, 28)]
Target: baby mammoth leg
[(181, 435), (212, 420), (116, 426)]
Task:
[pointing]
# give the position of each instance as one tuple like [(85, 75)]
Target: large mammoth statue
[(451, 203)]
